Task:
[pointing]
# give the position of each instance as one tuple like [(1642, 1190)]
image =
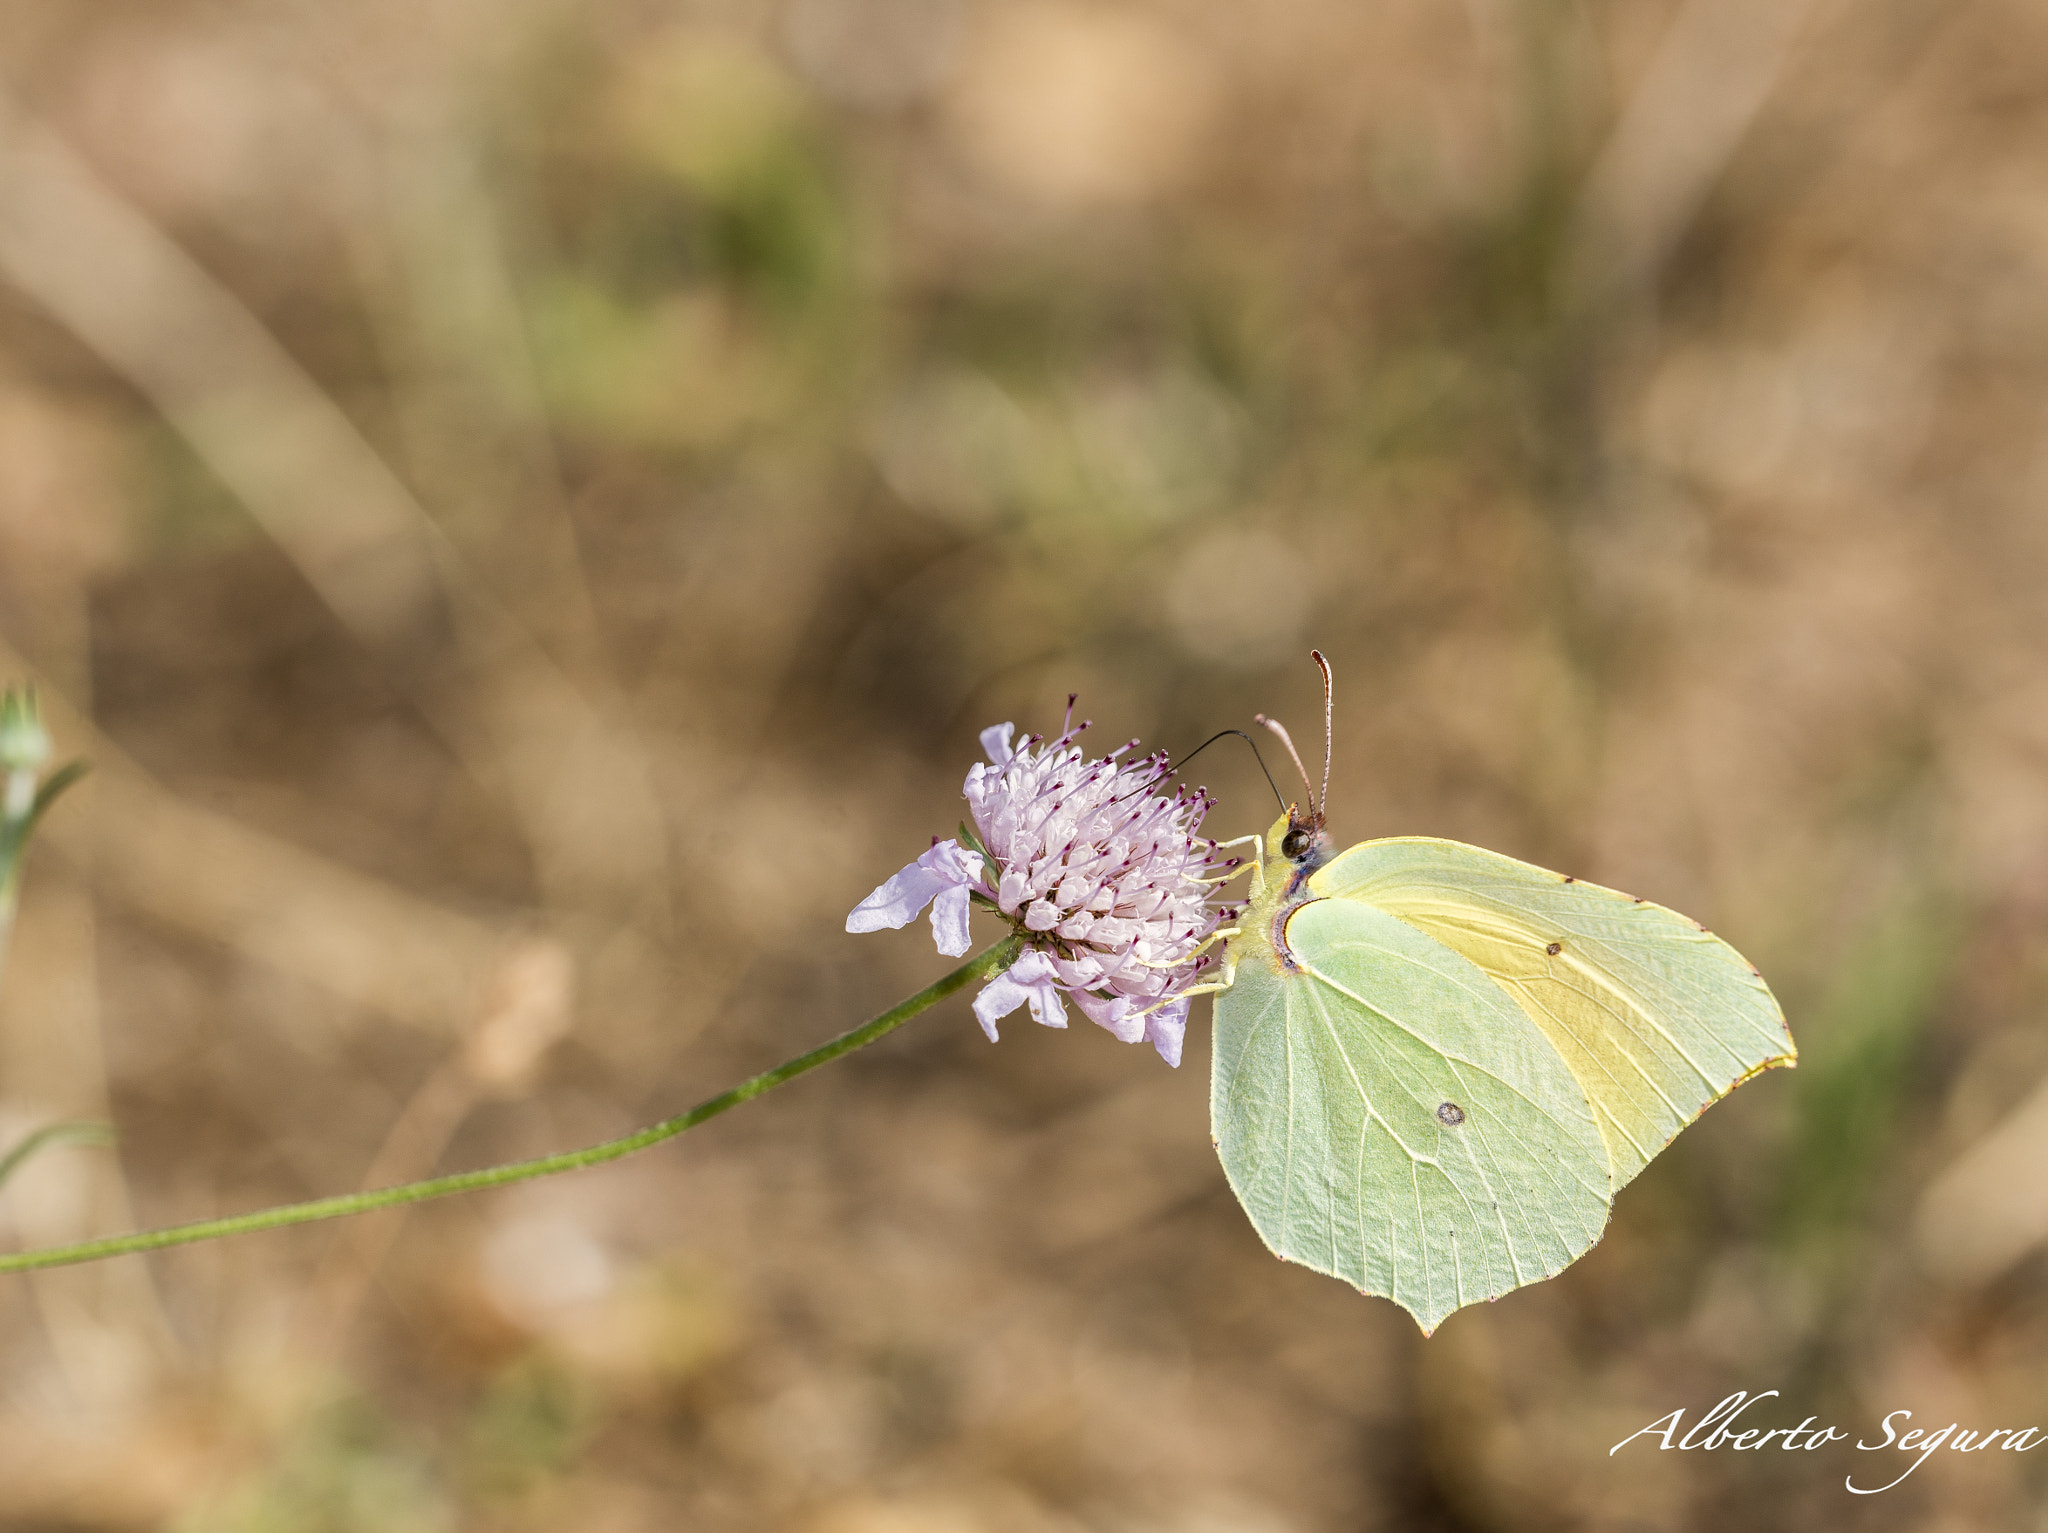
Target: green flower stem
[(43, 1138), (990, 961)]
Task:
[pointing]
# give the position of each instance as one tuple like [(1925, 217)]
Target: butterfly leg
[(1228, 975), (1250, 862), (1256, 862), (1221, 934), (1214, 987)]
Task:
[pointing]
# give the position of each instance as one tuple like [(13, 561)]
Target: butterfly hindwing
[(1387, 1115)]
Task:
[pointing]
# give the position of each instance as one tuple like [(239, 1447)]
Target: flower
[(1105, 878)]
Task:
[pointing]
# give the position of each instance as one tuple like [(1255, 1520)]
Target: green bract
[(1435, 1066), (25, 795), (24, 743)]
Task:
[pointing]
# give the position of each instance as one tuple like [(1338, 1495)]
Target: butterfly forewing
[(1654, 1017), (1389, 1116)]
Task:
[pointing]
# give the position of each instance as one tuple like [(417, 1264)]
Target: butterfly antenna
[(1288, 740), (1328, 692), (1191, 755), (1175, 767)]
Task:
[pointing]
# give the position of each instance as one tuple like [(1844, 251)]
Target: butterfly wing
[(1655, 1017), (1389, 1116)]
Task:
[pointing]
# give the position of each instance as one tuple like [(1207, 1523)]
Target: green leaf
[(1437, 1065)]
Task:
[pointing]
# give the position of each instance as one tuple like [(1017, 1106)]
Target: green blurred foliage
[(345, 1469), (529, 1426)]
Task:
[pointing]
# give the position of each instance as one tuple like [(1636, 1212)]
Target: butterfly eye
[(1295, 842)]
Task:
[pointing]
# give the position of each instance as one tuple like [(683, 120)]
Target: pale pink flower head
[(1105, 877)]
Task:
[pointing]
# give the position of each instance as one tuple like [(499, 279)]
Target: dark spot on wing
[(1450, 1114), (1569, 879), (1554, 949)]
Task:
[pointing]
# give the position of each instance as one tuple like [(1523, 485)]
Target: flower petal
[(1046, 1009), (1168, 1029), (1114, 932), (1114, 1015), (1075, 928), (949, 920), (1084, 971), (1010, 891), (954, 861), (897, 902), (999, 997), (1030, 979), (995, 740), (947, 866)]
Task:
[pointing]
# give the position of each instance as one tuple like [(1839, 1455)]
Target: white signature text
[(1719, 1428)]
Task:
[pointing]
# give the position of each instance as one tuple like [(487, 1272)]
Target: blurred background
[(526, 505)]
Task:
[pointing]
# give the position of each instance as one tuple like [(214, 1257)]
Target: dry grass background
[(527, 506)]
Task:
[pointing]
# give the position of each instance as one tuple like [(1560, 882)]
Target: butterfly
[(1435, 1066)]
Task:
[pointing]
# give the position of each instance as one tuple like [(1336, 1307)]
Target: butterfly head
[(1304, 837), (1299, 839)]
